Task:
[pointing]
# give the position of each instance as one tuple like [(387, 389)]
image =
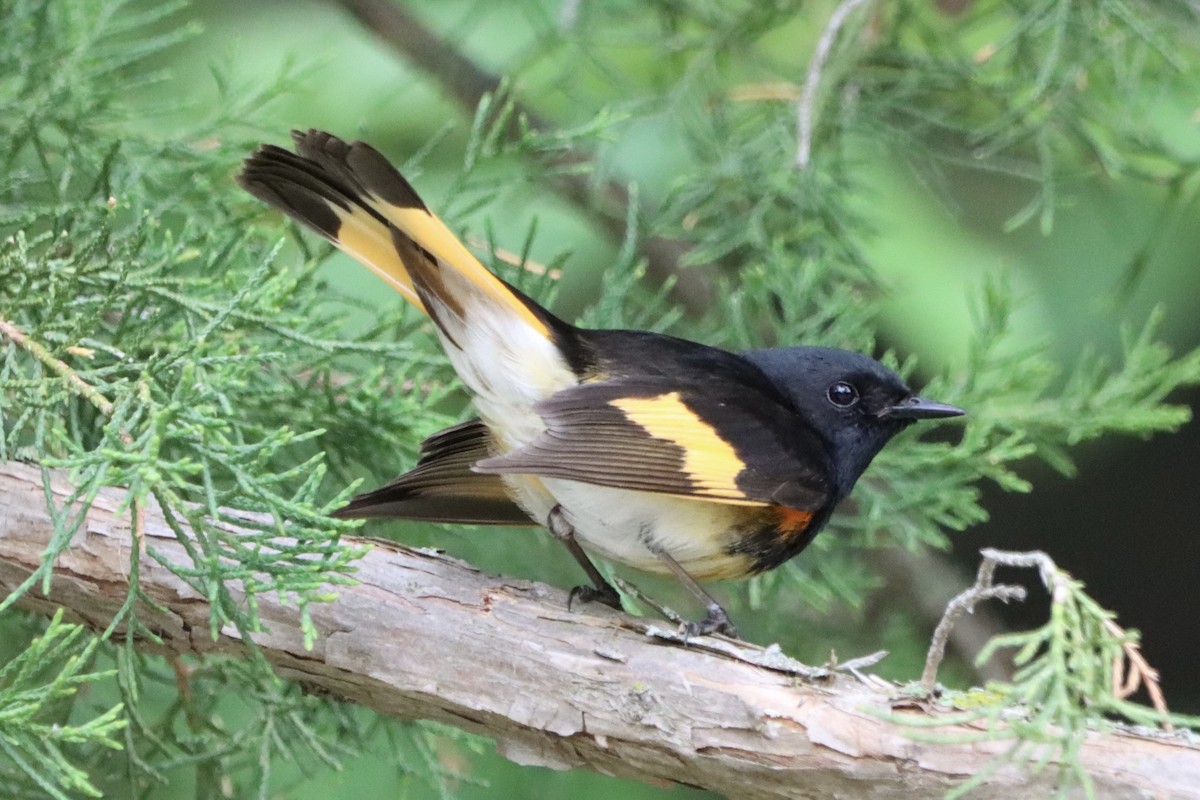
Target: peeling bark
[(426, 636)]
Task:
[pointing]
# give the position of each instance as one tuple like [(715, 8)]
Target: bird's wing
[(723, 441), (443, 487)]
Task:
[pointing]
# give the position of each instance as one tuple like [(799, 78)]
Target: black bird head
[(855, 403)]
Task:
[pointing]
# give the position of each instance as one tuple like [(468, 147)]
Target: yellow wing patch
[(710, 461)]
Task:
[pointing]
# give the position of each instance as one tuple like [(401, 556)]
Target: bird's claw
[(595, 594), (716, 621)]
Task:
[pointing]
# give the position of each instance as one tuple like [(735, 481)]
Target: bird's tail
[(506, 348)]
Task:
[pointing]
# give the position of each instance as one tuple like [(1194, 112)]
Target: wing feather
[(725, 443), (442, 487)]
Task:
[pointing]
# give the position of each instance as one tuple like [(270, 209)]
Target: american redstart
[(657, 452)]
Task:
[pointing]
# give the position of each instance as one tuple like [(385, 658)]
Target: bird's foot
[(595, 594), (716, 621)]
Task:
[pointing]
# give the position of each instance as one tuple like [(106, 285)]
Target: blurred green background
[(1127, 525)]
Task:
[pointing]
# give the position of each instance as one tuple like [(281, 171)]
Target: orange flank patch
[(792, 522)]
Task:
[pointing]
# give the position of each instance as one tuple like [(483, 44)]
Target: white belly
[(618, 524)]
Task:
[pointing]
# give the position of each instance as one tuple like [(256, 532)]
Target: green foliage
[(158, 337), (1033, 88), (1021, 408), (141, 332), (236, 730), (37, 736), (1074, 675), (1066, 682), (150, 343)]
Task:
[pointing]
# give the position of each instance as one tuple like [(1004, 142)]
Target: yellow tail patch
[(352, 195), (431, 234), (369, 243)]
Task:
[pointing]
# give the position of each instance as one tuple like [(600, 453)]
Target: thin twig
[(514, 260), (1048, 571), (806, 108), (964, 603), (856, 667), (922, 577), (1140, 673), (770, 657), (667, 613), (84, 390), (763, 91), (60, 368), (1130, 672)]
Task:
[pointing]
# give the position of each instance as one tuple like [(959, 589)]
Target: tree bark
[(422, 635)]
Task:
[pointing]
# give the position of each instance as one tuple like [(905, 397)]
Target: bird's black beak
[(920, 408)]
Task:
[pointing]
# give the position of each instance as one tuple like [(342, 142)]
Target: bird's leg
[(715, 620), (600, 591), (637, 594)]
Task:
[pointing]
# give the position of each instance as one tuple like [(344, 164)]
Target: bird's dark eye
[(842, 394)]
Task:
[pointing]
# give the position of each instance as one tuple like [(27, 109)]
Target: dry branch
[(425, 636)]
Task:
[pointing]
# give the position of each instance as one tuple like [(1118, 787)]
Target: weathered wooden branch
[(425, 636)]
